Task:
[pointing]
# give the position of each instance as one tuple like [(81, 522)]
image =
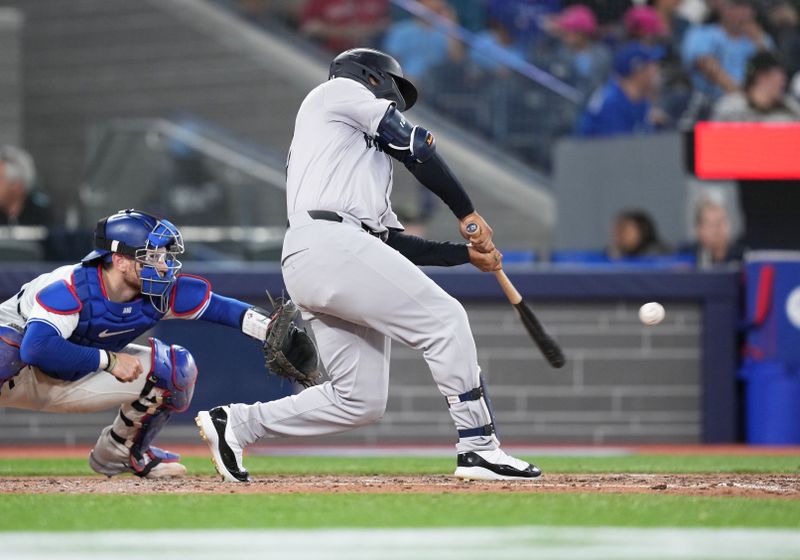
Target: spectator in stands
[(713, 243), (634, 234), (676, 85), (716, 54), (783, 24), (644, 24), (471, 14), (421, 44), (20, 203), (609, 15), (524, 18), (495, 46), (769, 205), (578, 58), (339, 25), (674, 24), (623, 104), (764, 97)]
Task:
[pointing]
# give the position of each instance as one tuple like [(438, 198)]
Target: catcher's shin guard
[(125, 445), (10, 341)]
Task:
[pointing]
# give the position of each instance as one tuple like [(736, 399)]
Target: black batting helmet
[(361, 64)]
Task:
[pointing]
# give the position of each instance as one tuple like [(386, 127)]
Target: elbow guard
[(395, 132)]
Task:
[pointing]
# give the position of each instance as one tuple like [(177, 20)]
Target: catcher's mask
[(153, 243), (362, 64)]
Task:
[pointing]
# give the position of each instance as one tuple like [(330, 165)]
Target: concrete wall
[(595, 179), (623, 383), (11, 22)]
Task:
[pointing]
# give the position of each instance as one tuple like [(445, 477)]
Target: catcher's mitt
[(289, 351)]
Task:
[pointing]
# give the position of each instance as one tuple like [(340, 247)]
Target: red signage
[(725, 150)]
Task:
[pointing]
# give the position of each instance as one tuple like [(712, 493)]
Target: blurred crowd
[(634, 67), (497, 67)]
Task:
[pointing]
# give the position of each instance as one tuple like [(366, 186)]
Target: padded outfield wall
[(623, 382)]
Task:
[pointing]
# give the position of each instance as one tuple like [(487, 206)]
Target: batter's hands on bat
[(127, 368), (485, 262), (475, 229)]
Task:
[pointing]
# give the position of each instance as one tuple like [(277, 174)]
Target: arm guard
[(424, 252), (399, 138), (415, 148)]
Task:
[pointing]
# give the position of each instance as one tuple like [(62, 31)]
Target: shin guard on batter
[(479, 453), (125, 445), (474, 419)]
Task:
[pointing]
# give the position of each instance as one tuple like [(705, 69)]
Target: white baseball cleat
[(493, 465), (226, 453)]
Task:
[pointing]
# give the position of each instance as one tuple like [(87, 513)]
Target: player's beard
[(133, 278)]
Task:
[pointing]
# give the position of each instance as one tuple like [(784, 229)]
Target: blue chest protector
[(106, 324)]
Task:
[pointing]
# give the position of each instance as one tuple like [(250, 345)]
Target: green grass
[(29, 512), (266, 466), (65, 512)]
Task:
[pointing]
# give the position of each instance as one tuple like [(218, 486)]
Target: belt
[(331, 216), (327, 215)]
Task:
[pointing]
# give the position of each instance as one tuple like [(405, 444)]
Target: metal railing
[(227, 197)]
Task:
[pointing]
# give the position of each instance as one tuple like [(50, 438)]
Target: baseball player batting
[(352, 271), (66, 340)]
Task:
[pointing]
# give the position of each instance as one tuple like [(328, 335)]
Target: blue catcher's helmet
[(150, 241)]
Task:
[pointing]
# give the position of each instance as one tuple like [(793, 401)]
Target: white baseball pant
[(357, 294), (97, 391)]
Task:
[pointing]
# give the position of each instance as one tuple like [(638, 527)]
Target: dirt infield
[(741, 485)]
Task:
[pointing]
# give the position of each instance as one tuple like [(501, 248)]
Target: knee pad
[(10, 362), (173, 370)]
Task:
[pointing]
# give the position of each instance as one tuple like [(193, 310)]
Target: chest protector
[(103, 323)]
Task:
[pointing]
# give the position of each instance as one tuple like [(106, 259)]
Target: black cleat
[(493, 465), (226, 453)]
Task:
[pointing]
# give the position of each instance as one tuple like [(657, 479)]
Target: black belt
[(326, 215), (330, 216)]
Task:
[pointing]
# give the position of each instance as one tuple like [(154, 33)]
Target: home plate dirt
[(742, 485)]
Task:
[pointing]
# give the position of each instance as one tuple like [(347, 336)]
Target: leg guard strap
[(483, 413), (472, 395), (486, 430)]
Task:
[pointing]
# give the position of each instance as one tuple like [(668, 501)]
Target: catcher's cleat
[(226, 453), (493, 465), (157, 463)]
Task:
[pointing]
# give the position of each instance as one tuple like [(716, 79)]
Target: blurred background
[(623, 152)]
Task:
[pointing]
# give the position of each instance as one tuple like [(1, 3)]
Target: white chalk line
[(517, 543)]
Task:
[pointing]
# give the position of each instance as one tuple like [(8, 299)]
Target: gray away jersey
[(333, 163)]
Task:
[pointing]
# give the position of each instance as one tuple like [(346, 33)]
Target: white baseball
[(651, 313)]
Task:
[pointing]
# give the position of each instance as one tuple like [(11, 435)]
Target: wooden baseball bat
[(547, 345)]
